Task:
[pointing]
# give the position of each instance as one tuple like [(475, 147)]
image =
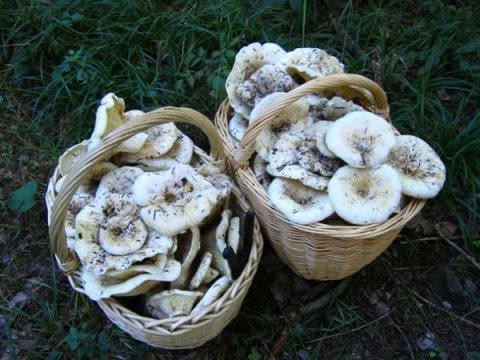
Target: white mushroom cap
[(361, 139), (300, 148), (421, 170), (172, 303), (234, 239), (299, 203), (365, 196), (176, 199), (70, 157), (160, 140), (137, 279), (293, 118), (337, 107), (78, 202), (320, 129), (296, 172), (237, 126), (266, 80), (260, 171), (94, 258), (202, 270), (122, 235), (310, 63), (210, 244), (180, 152), (213, 294), (192, 243), (132, 114), (119, 181), (110, 116), (248, 60)]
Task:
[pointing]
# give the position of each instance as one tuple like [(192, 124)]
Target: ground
[(419, 300)]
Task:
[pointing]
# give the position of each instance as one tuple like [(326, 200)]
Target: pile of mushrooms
[(153, 220), (323, 156)]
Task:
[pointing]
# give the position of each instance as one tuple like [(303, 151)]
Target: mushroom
[(299, 203), (176, 199), (260, 171), (172, 303), (180, 152), (118, 181), (296, 172), (320, 129), (310, 63), (160, 141), (293, 118), (210, 243), (110, 116), (70, 157), (421, 170), (365, 196), (213, 294), (361, 139), (248, 60), (191, 244), (204, 273), (78, 202), (266, 80), (237, 126), (338, 107), (87, 245), (234, 239)]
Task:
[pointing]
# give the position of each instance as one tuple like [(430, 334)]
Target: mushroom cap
[(365, 196), (180, 152), (160, 140), (210, 244), (234, 239), (299, 203), (119, 181), (293, 118), (192, 243), (338, 107), (310, 63), (296, 172), (78, 202), (201, 272), (172, 303), (320, 129), (260, 171), (268, 79), (176, 199), (70, 157), (301, 148), (248, 60), (109, 116), (361, 139), (212, 294), (122, 235), (421, 170), (94, 257), (237, 126), (132, 114)]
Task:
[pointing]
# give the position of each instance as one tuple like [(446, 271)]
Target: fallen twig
[(445, 311), (404, 337), (318, 304), (461, 251)]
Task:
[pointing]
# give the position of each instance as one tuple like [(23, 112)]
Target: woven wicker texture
[(175, 333), (318, 251)]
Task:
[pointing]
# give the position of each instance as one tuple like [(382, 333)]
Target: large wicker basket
[(318, 251), (178, 332)]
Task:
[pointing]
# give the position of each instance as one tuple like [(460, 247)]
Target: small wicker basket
[(318, 251), (174, 333)]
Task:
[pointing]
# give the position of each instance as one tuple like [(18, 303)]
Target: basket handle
[(67, 261), (368, 93)]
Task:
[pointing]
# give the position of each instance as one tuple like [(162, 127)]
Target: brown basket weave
[(318, 251), (178, 332)]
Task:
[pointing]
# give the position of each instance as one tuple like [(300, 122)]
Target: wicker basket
[(178, 332), (318, 251)]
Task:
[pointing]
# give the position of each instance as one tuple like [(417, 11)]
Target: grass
[(58, 58)]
